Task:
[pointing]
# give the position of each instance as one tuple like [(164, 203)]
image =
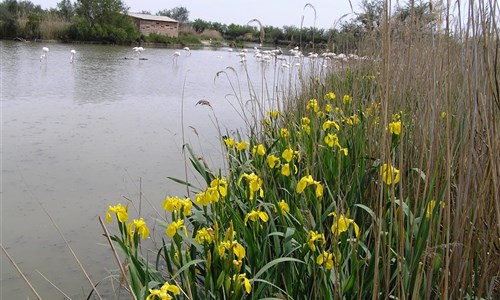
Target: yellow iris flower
[(229, 142), (238, 250), (328, 108), (259, 150), (139, 226), (255, 215), (327, 259), (313, 237), (394, 127), (283, 206), (285, 170), (330, 124), (273, 114), (204, 235), (243, 145), (119, 210), (284, 133), (288, 154), (246, 282), (163, 292), (341, 224), (273, 161), (307, 181), (389, 174), (175, 204), (347, 99), (254, 183), (174, 227), (330, 96), (220, 185), (332, 140)]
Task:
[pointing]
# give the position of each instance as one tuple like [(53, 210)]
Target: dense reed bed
[(378, 179)]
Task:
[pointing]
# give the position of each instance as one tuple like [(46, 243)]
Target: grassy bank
[(378, 180)]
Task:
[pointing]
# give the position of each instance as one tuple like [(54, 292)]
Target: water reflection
[(80, 136)]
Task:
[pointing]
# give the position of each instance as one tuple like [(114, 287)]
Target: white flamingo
[(187, 50), (176, 55), (44, 55), (138, 51), (72, 58)]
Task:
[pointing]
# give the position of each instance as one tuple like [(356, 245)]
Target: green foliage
[(199, 25), (99, 12), (32, 29), (8, 18)]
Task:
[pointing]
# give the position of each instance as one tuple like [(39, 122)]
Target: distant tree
[(8, 18), (222, 28), (180, 14), (104, 21), (273, 34), (291, 33), (235, 31), (66, 9), (99, 11), (145, 12), (199, 25)]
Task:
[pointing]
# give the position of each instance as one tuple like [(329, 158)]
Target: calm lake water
[(77, 137)]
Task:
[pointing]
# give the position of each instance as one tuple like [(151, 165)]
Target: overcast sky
[(269, 12)]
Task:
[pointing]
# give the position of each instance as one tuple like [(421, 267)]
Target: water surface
[(77, 137)]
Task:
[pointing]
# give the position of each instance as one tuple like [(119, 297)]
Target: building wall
[(160, 27)]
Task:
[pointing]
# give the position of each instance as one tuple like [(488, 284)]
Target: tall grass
[(378, 180)]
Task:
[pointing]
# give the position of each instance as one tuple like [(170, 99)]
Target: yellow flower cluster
[(240, 146), (136, 226), (212, 194), (306, 125), (254, 184), (313, 105), (352, 120), (255, 215), (175, 205)]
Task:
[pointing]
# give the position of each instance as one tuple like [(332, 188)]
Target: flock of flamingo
[(263, 56)]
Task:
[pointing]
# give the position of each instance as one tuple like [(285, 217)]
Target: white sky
[(269, 12)]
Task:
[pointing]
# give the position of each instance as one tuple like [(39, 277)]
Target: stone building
[(147, 24)]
